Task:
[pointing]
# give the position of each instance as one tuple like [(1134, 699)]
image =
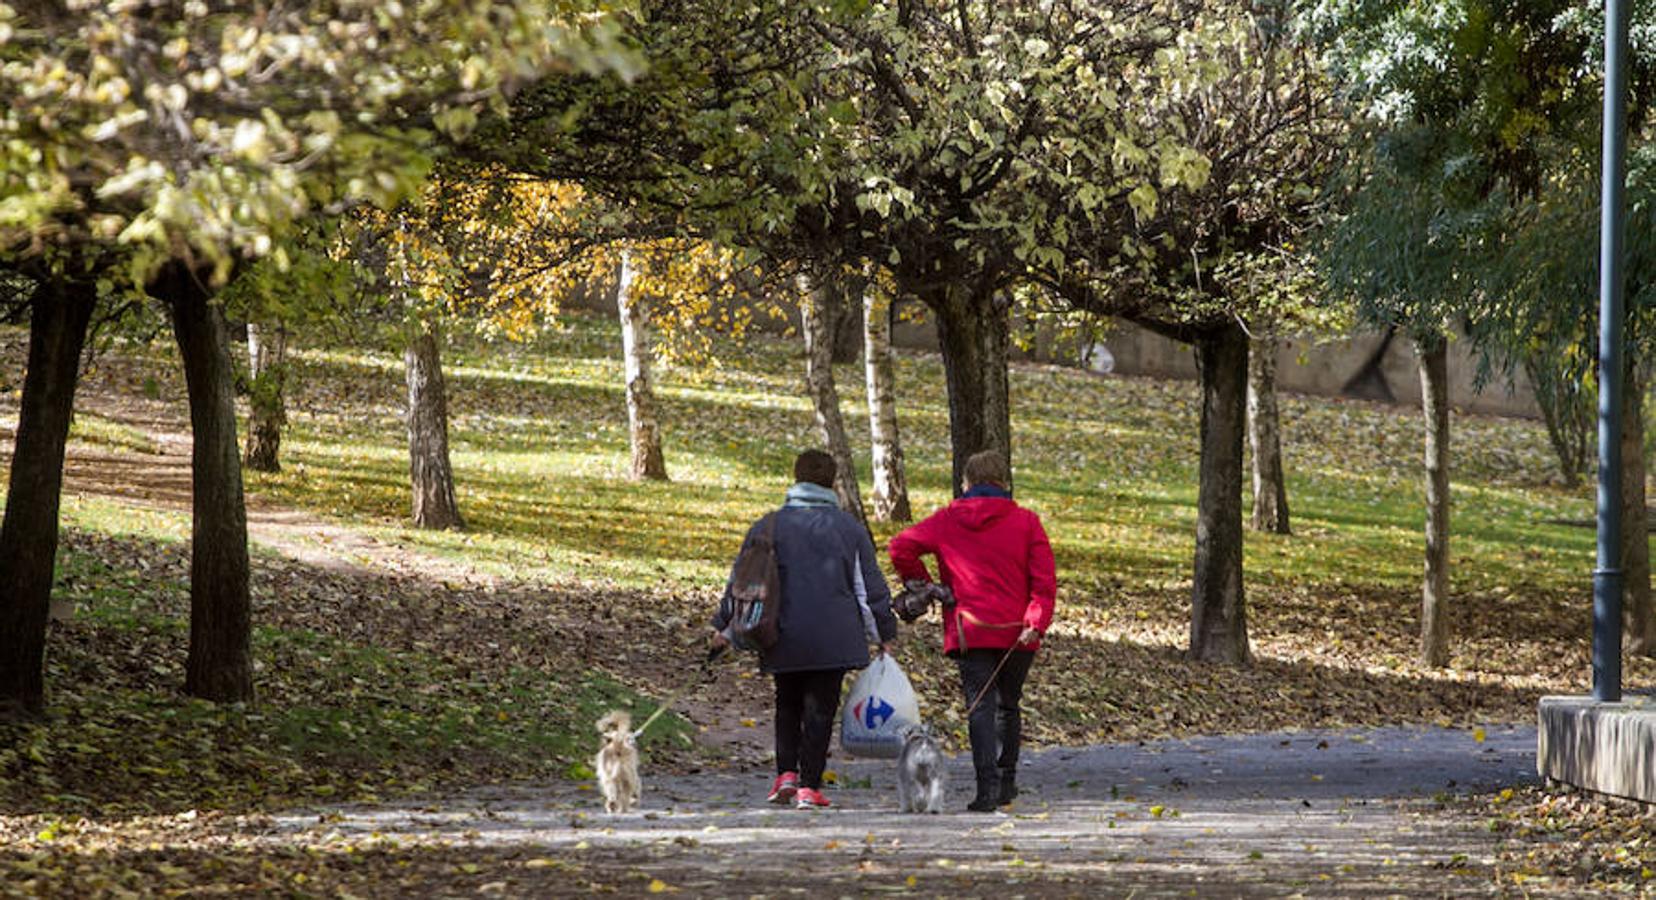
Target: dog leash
[(706, 668), (991, 682)]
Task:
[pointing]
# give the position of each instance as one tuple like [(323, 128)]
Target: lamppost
[(1607, 578)]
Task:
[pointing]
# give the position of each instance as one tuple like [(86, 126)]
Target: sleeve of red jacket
[(1043, 578), (909, 545)]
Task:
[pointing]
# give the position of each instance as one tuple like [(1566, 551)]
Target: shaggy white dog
[(617, 763)]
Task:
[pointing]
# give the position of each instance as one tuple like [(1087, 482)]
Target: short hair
[(988, 467), (816, 467)]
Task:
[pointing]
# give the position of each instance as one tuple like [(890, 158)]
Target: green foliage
[(304, 290), (1401, 256), (1476, 200), (1244, 129), (204, 130), (954, 147)]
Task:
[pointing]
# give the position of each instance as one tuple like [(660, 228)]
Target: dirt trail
[(161, 480)]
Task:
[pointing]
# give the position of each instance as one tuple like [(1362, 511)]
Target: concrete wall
[(1609, 748), (1327, 368), (1303, 366)]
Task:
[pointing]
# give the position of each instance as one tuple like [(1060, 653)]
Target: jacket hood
[(978, 513)]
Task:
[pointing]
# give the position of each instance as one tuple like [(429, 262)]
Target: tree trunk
[(643, 429), (848, 327), (1434, 597), (1218, 620), (1641, 631), (433, 478), (267, 366), (1270, 491), (818, 309), (891, 502), (29, 533), (973, 333), (220, 665)]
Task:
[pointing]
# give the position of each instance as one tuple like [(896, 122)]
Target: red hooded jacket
[(994, 555)]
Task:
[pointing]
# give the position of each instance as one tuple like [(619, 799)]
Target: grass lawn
[(539, 439), (397, 681)]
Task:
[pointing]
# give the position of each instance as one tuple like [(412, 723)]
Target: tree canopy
[(205, 129)]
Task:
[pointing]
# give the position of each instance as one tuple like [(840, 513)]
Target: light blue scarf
[(804, 493)]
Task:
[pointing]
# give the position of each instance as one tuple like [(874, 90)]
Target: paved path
[(1314, 814)]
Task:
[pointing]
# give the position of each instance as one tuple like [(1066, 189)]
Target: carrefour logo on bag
[(873, 712)]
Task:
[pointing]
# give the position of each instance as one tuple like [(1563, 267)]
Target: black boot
[(987, 791), (1008, 787)]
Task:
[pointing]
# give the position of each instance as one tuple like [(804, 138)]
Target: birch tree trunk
[(1641, 631), (1218, 614), (1270, 492), (58, 319), (891, 501), (817, 312), (1434, 598), (643, 429), (220, 662), (430, 472), (267, 364)]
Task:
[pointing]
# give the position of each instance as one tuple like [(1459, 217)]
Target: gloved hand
[(913, 600)]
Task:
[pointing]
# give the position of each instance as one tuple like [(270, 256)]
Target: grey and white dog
[(920, 772)]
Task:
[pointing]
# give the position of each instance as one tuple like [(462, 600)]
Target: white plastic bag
[(880, 705)]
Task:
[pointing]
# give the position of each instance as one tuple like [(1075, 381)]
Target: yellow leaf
[(749, 723), (657, 886), (1478, 734), (1157, 811), (911, 881)]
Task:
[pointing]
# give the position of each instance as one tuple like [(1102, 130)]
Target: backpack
[(756, 591)]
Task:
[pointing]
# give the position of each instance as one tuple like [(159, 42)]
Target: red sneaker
[(811, 798), (784, 788)]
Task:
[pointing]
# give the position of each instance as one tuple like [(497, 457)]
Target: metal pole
[(1607, 579)]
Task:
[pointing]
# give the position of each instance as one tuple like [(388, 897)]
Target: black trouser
[(996, 726), (805, 707)]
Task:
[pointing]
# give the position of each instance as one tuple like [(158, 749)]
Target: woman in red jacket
[(995, 557)]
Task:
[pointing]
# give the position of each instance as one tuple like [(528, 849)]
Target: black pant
[(805, 707), (996, 726)]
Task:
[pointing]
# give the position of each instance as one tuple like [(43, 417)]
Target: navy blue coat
[(834, 598)]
